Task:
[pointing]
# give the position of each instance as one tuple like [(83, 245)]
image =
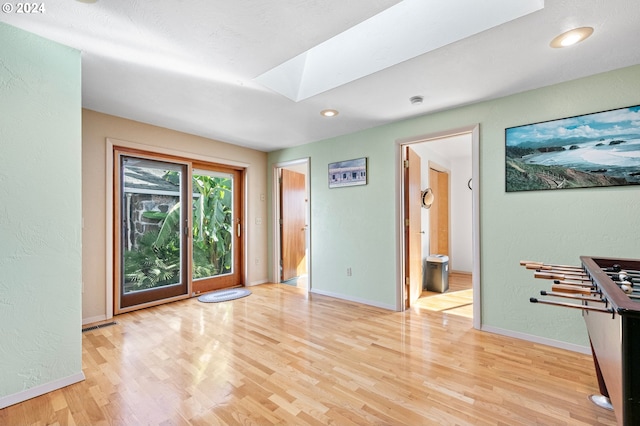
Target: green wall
[(40, 216), (357, 226), (352, 227)]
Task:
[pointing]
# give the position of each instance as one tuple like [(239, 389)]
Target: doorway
[(448, 183), (178, 228), (291, 208)]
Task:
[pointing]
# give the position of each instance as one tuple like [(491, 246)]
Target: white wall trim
[(35, 391), (475, 226), (259, 282), (437, 135), (109, 232), (537, 339), (399, 228), (275, 223), (354, 299)]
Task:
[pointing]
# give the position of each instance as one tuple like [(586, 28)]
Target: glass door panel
[(216, 229), (212, 224), (152, 241)]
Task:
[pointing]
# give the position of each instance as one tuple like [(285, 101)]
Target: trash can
[(436, 277)]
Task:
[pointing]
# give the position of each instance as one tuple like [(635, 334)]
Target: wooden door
[(439, 212), (413, 228), (292, 224)]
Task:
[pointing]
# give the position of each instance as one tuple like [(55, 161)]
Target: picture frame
[(599, 149), (348, 173)]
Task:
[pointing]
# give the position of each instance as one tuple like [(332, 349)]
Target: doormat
[(224, 295)]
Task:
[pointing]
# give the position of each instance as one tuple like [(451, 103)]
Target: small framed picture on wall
[(348, 173)]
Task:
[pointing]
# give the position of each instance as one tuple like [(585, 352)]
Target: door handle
[(238, 230)]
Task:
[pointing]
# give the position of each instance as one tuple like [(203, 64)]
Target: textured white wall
[(461, 215), (40, 216)]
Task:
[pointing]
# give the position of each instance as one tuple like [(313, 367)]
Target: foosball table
[(607, 290)]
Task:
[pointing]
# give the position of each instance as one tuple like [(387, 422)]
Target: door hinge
[(407, 281), (406, 164), (406, 222)]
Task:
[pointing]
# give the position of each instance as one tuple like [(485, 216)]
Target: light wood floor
[(283, 357), (457, 281), (457, 300)]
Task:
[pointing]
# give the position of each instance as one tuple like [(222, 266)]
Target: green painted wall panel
[(40, 212), (347, 223), (552, 226)]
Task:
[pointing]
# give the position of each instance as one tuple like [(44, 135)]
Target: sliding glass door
[(178, 228), (152, 237)]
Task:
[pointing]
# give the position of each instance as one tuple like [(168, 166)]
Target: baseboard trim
[(252, 283), (353, 299), (537, 339), (33, 392), (90, 320)]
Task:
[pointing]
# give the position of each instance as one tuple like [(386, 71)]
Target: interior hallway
[(458, 300), (283, 356)]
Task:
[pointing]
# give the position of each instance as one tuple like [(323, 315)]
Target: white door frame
[(276, 249), (474, 131)]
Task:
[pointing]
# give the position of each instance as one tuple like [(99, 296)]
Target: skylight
[(404, 31)]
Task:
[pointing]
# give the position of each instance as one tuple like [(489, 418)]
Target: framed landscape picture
[(592, 150), (348, 173)]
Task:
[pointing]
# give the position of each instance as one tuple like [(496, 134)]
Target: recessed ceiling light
[(571, 37), (416, 100), (328, 112)]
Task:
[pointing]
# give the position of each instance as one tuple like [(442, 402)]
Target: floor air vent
[(95, 327)]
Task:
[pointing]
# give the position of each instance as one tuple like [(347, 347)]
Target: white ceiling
[(191, 65), (414, 27)]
